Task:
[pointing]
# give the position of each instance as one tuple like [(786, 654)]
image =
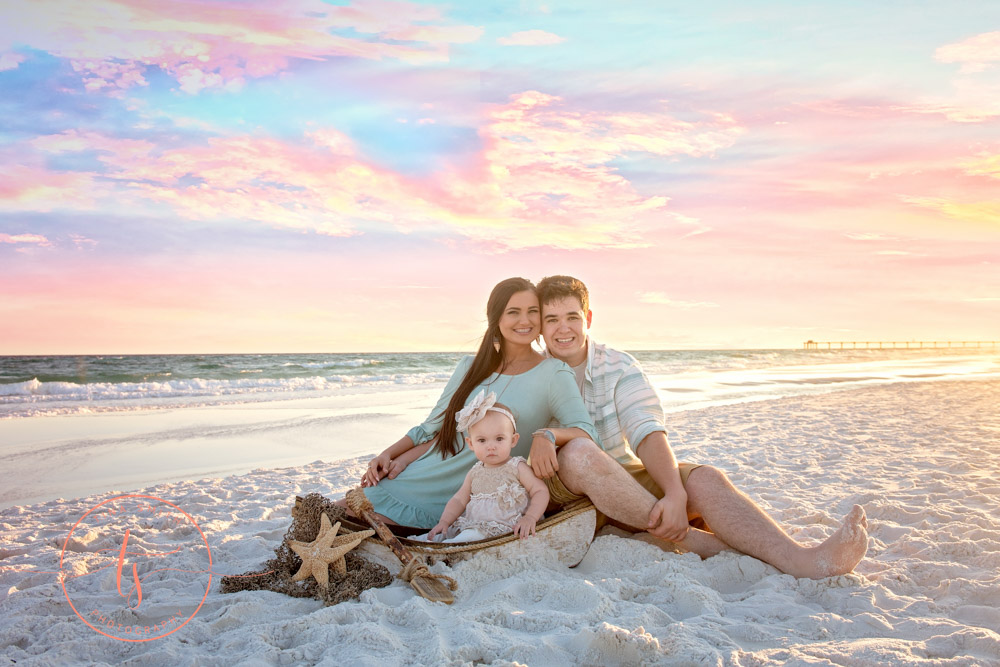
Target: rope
[(446, 549), (417, 568), (358, 501)]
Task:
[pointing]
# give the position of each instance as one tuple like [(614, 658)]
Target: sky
[(351, 176)]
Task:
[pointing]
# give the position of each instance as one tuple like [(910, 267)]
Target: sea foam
[(34, 398)]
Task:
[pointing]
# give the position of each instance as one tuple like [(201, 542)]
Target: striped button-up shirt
[(621, 401)]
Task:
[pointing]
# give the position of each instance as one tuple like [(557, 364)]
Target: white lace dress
[(498, 500)]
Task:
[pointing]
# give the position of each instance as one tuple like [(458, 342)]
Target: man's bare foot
[(840, 552)]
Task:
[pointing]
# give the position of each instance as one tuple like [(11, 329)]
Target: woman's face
[(520, 323)]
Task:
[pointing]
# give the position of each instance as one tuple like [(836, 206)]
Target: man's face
[(564, 326)]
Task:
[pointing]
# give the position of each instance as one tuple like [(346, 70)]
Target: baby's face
[(492, 438)]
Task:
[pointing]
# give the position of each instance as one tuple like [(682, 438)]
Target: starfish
[(326, 549)]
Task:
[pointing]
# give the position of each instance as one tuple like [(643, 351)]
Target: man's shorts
[(560, 495)]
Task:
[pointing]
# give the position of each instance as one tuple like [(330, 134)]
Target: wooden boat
[(566, 534)]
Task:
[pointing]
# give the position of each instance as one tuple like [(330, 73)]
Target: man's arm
[(641, 417), (668, 518)]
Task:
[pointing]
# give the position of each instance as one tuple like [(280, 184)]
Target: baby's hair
[(502, 407)]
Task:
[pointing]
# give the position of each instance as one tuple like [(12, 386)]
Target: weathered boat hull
[(567, 535)]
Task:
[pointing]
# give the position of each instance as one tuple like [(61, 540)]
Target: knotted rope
[(413, 567), (417, 568)]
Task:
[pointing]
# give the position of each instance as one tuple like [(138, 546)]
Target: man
[(633, 477)]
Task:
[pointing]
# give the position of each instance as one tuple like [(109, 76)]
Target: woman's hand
[(378, 468), (524, 527)]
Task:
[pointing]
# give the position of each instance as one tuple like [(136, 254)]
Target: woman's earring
[(496, 344)]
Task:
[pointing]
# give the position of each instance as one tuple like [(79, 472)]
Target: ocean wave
[(340, 363), (35, 391)]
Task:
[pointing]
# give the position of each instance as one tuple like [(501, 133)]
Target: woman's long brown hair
[(486, 361)]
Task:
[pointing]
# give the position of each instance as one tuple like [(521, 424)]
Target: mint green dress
[(418, 495)]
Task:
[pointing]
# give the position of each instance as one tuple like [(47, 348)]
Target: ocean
[(32, 386)]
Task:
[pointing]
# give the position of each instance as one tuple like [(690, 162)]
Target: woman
[(411, 481)]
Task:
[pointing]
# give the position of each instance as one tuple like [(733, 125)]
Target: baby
[(500, 493)]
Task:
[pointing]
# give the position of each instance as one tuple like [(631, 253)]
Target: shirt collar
[(588, 373)]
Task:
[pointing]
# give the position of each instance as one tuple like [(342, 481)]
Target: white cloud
[(81, 242), (696, 225), (661, 299), (868, 236), (531, 38), (975, 53)]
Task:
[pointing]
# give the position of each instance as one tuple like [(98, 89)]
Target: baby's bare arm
[(454, 508), (538, 495)]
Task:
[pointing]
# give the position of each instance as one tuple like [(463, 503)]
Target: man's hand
[(668, 518), (396, 466), (543, 457)]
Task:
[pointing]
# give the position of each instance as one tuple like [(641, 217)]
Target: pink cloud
[(985, 164), (531, 38), (28, 185), (545, 176), (985, 213), (973, 102), (832, 161), (10, 60), (318, 184), (36, 239), (218, 45), (544, 179), (378, 16)]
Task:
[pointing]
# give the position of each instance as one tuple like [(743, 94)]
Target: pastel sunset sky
[(301, 175)]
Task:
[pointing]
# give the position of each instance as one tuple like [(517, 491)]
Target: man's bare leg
[(739, 522), (735, 520), (587, 470)]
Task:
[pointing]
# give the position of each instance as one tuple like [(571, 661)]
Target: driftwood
[(276, 574), (426, 584)]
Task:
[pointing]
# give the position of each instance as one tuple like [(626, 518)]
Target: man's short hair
[(554, 288)]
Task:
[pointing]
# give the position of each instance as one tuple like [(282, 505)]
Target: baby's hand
[(524, 527), (439, 529)]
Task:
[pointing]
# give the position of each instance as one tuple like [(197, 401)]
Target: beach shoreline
[(922, 457), (81, 454)]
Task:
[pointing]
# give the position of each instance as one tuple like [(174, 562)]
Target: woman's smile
[(521, 319)]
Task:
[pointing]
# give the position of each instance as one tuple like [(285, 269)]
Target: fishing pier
[(900, 345)]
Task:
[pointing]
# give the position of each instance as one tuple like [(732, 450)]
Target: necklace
[(510, 377)]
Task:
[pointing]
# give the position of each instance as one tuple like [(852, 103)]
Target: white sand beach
[(923, 458)]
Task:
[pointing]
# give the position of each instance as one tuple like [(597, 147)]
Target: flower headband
[(477, 409)]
